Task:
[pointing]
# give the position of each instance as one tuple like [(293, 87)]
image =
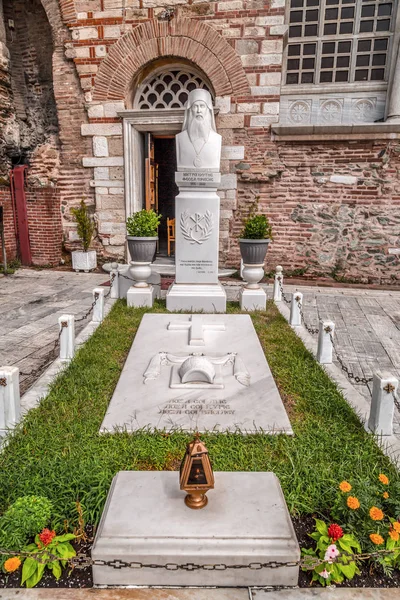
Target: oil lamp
[(196, 474)]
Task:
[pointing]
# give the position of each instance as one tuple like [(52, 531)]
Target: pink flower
[(325, 574), (331, 553)]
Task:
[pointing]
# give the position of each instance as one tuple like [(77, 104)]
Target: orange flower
[(376, 539), (353, 502), (394, 535), (376, 514), (12, 564), (383, 479), (385, 495), (344, 486), (396, 526)]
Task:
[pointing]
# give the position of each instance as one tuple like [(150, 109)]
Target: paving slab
[(130, 594)]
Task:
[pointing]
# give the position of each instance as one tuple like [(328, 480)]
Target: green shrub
[(257, 228), (143, 223), (24, 519), (85, 224)]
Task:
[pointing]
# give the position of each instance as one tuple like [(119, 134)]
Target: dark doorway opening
[(165, 159)]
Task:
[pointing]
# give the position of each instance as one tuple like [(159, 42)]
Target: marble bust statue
[(198, 146)]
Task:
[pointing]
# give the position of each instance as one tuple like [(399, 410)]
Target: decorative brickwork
[(9, 228), (201, 44)]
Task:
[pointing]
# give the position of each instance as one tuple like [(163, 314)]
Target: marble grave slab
[(197, 372)]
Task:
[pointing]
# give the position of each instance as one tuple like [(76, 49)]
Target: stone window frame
[(338, 87)]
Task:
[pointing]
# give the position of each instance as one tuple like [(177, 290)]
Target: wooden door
[(151, 173)]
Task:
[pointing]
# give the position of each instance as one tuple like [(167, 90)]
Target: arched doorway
[(158, 95)]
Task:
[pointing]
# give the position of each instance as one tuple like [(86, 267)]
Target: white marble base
[(146, 521), (139, 297), (196, 297), (144, 396), (252, 299)]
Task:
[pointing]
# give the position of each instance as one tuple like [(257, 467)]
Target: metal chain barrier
[(82, 561), (287, 300), (311, 330), (345, 368)]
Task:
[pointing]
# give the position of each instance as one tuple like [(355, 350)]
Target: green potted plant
[(254, 240), (142, 235), (85, 259)]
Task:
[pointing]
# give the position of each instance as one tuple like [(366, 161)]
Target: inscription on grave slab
[(241, 395)]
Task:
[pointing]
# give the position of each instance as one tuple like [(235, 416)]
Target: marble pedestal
[(253, 299), (146, 521), (193, 297), (196, 286), (140, 296)]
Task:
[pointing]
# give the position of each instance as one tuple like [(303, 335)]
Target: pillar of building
[(393, 114)]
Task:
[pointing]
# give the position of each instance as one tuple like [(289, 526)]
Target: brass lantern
[(196, 474)]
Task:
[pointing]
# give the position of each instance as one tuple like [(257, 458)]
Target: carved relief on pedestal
[(197, 227)]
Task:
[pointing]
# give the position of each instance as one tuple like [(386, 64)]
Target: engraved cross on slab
[(196, 327)]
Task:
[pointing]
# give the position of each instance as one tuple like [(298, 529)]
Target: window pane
[(377, 74), (346, 27), (294, 50), (364, 46), (327, 62), (331, 14), (309, 48), (363, 60), (347, 12), (296, 4), (309, 63), (361, 75), (343, 61), (307, 78), (293, 64), (366, 26), (295, 31), (342, 76), (312, 15), (368, 11), (381, 44), (379, 59), (383, 25), (325, 77), (328, 47), (296, 16), (384, 10), (344, 47), (292, 78), (310, 30), (330, 29), (312, 2)]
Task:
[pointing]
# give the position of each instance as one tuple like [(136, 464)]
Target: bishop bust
[(198, 146)]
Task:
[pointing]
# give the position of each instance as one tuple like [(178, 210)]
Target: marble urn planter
[(84, 261), (253, 251), (142, 249)]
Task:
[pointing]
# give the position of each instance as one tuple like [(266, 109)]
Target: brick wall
[(44, 222)]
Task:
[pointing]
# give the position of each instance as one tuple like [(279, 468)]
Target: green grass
[(57, 451)]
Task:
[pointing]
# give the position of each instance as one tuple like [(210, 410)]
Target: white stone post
[(295, 305), (98, 309), (10, 402), (278, 283), (67, 338), (382, 404), (114, 281), (325, 346)]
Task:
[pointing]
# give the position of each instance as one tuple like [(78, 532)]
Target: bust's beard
[(199, 129)]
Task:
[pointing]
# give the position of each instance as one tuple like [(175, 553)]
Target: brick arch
[(181, 38), (59, 13)]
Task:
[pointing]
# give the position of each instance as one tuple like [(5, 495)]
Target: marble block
[(140, 296), (252, 299), (145, 520), (192, 297), (150, 394)]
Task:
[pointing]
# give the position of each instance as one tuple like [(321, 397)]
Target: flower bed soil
[(82, 578)]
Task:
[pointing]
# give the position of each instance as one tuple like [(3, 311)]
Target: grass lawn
[(57, 451)]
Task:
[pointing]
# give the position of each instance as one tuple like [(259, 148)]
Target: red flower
[(46, 537), (335, 532)]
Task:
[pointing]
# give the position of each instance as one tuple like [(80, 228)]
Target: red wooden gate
[(19, 200)]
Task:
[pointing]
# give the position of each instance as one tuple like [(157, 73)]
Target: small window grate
[(168, 89)]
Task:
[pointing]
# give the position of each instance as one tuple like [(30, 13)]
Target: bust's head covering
[(196, 95)]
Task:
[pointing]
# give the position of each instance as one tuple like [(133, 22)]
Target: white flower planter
[(84, 261)]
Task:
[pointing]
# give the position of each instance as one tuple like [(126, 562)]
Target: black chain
[(287, 300), (345, 368), (112, 277), (48, 359), (395, 398), (311, 330), (82, 561)]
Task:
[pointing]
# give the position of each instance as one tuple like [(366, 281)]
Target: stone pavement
[(202, 594), (30, 303)]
